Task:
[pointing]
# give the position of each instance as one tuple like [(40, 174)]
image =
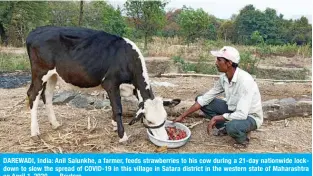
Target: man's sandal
[(240, 145), (220, 132), (243, 145)]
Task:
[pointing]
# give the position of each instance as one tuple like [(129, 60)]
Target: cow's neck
[(141, 79), (144, 94), (144, 90)]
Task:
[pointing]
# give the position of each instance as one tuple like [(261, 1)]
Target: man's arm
[(192, 109), (243, 105), (206, 98), (203, 100)]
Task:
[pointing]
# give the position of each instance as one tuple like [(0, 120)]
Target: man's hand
[(192, 109), (179, 119), (213, 122)]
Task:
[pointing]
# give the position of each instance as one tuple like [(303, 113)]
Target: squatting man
[(240, 112)]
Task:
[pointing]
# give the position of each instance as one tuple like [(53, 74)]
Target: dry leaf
[(161, 149)]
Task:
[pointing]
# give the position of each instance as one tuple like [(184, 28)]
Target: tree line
[(145, 19)]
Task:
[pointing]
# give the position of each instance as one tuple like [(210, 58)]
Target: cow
[(88, 58)]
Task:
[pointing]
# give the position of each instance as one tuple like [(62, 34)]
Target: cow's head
[(153, 115)]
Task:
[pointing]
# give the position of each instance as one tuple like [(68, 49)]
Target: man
[(241, 111)]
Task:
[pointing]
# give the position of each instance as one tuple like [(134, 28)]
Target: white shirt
[(242, 96)]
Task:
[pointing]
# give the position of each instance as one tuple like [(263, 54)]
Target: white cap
[(229, 53)]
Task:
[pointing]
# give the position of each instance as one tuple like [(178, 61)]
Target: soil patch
[(74, 135)]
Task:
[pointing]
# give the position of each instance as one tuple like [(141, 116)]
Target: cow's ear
[(171, 102), (139, 115)]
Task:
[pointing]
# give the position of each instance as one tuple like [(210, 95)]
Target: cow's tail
[(28, 49), (29, 43)]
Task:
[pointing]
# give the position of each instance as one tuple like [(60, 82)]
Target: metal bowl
[(171, 143)]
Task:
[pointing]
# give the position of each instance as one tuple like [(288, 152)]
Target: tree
[(246, 23), (19, 18), (102, 16), (211, 32), (6, 12), (171, 28), (113, 21), (284, 27), (226, 30), (81, 12), (64, 13), (94, 14), (272, 27), (256, 38), (194, 23), (301, 31), (147, 16), (269, 27)]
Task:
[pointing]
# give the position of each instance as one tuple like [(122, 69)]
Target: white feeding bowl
[(171, 143)]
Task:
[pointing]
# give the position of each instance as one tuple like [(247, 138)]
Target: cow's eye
[(149, 122)]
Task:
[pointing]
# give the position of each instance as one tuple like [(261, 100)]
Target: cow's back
[(80, 56), (52, 33)]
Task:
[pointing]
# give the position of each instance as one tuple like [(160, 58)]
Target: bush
[(287, 50), (263, 50), (13, 62), (186, 66), (198, 67), (248, 62), (305, 51)]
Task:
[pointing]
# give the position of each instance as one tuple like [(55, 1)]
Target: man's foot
[(220, 132), (243, 145), (249, 135)]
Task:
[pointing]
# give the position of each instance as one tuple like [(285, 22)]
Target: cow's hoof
[(124, 139), (56, 125), (34, 132), (114, 125), (36, 138)]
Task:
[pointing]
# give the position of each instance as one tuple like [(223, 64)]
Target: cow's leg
[(114, 125), (33, 94), (47, 96), (171, 102), (116, 104)]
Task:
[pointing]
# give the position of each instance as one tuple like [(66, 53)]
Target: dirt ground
[(293, 62), (187, 88), (74, 135)]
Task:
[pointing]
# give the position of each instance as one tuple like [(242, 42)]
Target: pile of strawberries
[(175, 133)]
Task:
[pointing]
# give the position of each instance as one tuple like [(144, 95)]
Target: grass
[(197, 54), (201, 61), (199, 67), (280, 74), (288, 50), (10, 62), (170, 47), (248, 62)]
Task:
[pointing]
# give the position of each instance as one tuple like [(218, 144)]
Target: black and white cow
[(89, 58)]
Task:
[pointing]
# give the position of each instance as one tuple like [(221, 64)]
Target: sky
[(225, 8)]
